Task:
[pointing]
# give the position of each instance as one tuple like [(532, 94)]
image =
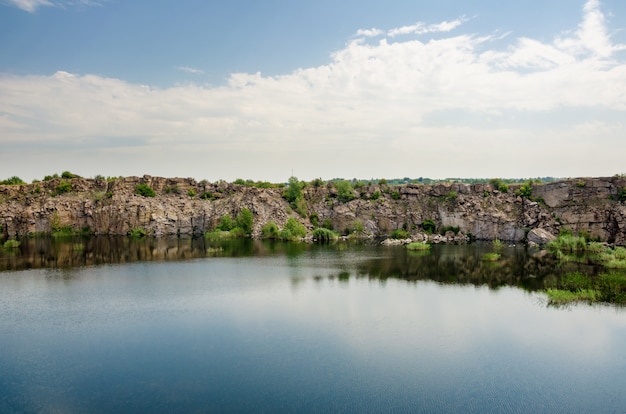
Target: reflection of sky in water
[(293, 334)]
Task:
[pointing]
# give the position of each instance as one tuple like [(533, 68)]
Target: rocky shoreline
[(458, 212)]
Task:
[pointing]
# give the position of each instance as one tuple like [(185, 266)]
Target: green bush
[(451, 196), (429, 226), (64, 187), (375, 195), (191, 192), (15, 180), (395, 195), (244, 221), (399, 234), (418, 246), (526, 190), (324, 235), (144, 190), (621, 197), (226, 223), (345, 192), (68, 175), (270, 230), (499, 185), (207, 195), (293, 230)]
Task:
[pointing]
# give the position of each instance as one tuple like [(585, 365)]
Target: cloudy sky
[(366, 89)]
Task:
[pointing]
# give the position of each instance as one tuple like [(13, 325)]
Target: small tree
[(294, 190), (244, 220)]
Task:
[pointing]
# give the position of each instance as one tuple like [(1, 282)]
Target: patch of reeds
[(418, 246)]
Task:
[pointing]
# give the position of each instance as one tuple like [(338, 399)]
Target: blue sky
[(244, 89)]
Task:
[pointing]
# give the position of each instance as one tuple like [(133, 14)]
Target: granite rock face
[(186, 207)]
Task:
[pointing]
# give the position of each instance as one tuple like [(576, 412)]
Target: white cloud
[(453, 106), (29, 5), (32, 5), (420, 28), (191, 70), (373, 32)]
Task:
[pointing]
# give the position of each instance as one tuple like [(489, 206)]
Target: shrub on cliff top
[(68, 175), (144, 190), (15, 180)]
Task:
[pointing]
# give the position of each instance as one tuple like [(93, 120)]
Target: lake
[(120, 325)]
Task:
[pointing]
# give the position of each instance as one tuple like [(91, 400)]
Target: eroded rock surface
[(184, 206)]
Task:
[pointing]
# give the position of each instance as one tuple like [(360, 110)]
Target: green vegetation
[(429, 226), (418, 246), (490, 257), (12, 244), (560, 297), (293, 230), (499, 184), (621, 196), (295, 196), (497, 244), (293, 190), (399, 234), (240, 227), (576, 287), (244, 221), (191, 192), (137, 233), (63, 187), (270, 231), (451, 196), (526, 190), (324, 235), (570, 248), (207, 195), (144, 190), (359, 228), (328, 224), (345, 191), (15, 180), (68, 175)]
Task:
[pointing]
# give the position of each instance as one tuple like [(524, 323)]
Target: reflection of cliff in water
[(518, 266), (49, 252), (463, 264)]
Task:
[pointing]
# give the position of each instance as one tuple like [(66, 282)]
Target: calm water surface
[(302, 329)]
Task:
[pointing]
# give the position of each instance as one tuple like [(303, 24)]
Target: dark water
[(119, 325)]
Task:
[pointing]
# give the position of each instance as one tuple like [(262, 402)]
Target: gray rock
[(540, 236)]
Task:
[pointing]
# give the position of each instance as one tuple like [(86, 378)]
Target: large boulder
[(540, 236)]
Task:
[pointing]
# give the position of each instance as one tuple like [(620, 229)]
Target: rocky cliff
[(186, 207)]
